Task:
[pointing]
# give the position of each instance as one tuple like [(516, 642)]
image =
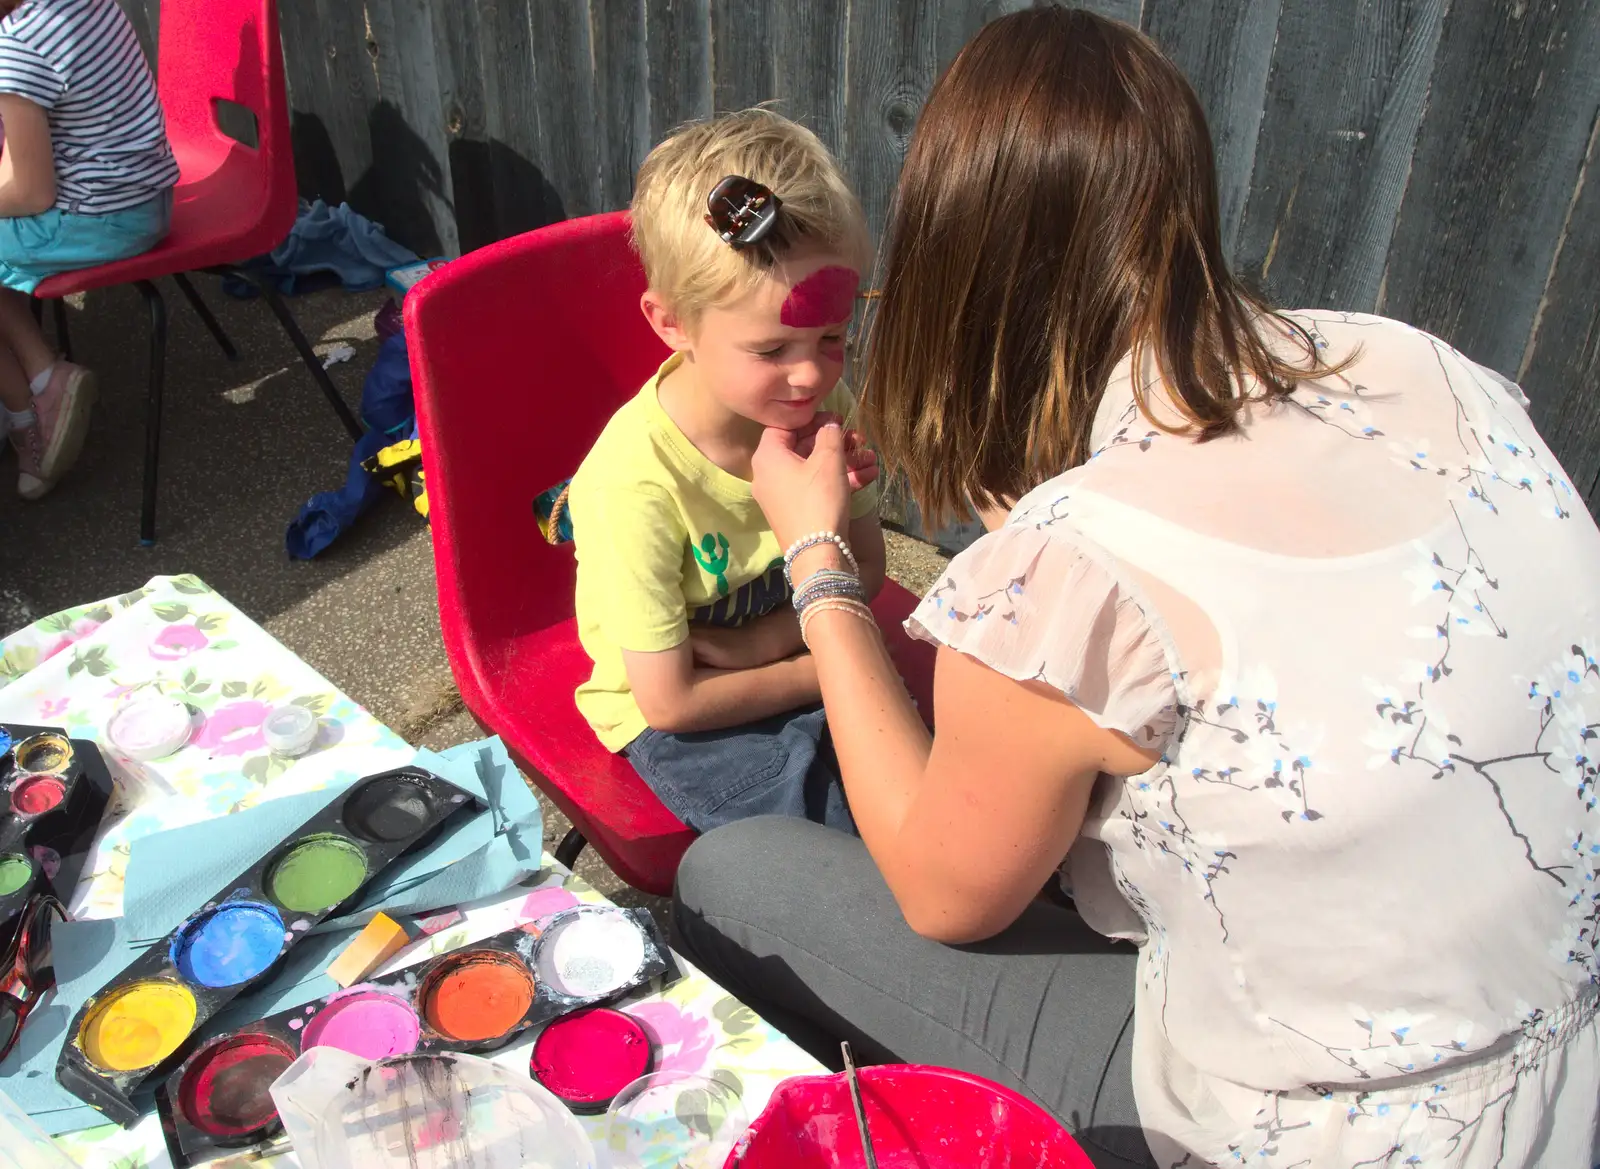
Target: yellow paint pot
[(138, 1025)]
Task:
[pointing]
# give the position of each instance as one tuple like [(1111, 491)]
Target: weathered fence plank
[(678, 39), (741, 54), (622, 97), (1344, 102), (1508, 121), (1225, 48), (890, 68), (808, 45), (1561, 365), (564, 103)]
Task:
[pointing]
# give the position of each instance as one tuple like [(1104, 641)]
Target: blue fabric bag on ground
[(334, 240), (388, 411)]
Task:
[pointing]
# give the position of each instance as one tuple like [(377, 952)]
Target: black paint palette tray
[(474, 999), (56, 791), (143, 1021)]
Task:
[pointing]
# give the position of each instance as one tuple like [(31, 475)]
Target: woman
[(1283, 640)]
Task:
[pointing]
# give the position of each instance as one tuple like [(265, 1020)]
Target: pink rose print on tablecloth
[(684, 1042), (234, 729), (53, 650), (177, 641), (54, 707), (544, 902)]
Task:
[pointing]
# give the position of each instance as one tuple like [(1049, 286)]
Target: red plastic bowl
[(920, 1118)]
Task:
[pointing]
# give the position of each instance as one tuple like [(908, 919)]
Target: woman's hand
[(803, 479)]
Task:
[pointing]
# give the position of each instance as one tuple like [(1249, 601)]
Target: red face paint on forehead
[(826, 297)]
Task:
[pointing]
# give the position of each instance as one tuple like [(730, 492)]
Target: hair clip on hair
[(742, 211)]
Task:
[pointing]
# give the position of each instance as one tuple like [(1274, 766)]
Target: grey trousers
[(795, 919)]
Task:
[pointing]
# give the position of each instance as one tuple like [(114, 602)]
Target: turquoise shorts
[(33, 247)]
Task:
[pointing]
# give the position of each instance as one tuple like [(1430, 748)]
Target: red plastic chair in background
[(233, 201), (520, 353)]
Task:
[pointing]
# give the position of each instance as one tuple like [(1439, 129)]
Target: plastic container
[(927, 1117), (672, 1120), (289, 730), (23, 1144), (423, 1112), (149, 726)]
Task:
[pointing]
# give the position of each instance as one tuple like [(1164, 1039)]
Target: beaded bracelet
[(812, 541), (827, 582), (839, 604)]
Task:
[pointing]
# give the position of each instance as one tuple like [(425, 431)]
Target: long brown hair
[(1057, 209)]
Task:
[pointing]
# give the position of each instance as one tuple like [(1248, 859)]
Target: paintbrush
[(855, 1102)]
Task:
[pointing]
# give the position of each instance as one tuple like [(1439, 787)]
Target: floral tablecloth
[(73, 668)]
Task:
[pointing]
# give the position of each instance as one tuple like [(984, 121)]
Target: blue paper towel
[(89, 954)]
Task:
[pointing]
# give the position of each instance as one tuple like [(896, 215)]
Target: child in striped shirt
[(86, 177)]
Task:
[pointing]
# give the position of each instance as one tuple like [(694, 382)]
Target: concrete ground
[(243, 446)]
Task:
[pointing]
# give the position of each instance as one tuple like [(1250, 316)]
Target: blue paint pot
[(5, 742), (229, 944)]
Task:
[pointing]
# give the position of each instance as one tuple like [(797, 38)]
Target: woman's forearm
[(878, 736)]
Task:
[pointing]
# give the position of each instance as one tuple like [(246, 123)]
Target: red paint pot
[(929, 1118), (226, 1087), (34, 795), (585, 1059)]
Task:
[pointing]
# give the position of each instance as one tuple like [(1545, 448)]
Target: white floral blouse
[(1363, 876)]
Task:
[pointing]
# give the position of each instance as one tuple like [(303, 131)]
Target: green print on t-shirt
[(713, 561)]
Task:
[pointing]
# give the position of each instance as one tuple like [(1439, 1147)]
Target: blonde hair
[(684, 259)]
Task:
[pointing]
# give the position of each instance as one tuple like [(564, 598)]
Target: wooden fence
[(1425, 159)]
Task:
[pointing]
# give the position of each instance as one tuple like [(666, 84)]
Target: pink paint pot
[(368, 1023), (34, 795), (585, 1059), (919, 1118)]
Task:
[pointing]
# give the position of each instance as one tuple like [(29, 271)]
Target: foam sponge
[(381, 940)]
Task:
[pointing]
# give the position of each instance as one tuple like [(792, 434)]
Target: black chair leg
[(308, 356), (152, 416), (213, 326), (58, 309), (569, 848)]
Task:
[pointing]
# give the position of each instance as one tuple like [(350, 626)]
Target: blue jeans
[(780, 766)]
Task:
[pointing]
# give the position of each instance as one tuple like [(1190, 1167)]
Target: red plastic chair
[(233, 201), (520, 352)]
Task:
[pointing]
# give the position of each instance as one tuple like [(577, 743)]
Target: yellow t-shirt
[(665, 538)]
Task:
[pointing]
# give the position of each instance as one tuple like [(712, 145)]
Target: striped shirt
[(81, 62)]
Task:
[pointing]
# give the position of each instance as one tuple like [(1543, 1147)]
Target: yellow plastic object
[(381, 940)]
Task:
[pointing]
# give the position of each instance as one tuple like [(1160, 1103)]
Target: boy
[(699, 672), (86, 177)]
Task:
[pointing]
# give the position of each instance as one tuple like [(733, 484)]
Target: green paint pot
[(317, 873), (15, 873)]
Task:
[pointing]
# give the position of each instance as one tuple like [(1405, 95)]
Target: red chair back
[(232, 201), (520, 353), (229, 50)]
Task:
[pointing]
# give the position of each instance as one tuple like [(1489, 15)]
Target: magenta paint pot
[(368, 1023), (585, 1059), (931, 1118)]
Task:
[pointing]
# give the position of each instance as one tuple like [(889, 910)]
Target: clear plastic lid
[(673, 1120), (289, 730), (149, 726), (424, 1112)]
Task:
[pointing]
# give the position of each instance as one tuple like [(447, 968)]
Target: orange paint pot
[(477, 995)]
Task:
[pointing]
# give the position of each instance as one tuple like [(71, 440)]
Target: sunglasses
[(26, 971), (742, 211)]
